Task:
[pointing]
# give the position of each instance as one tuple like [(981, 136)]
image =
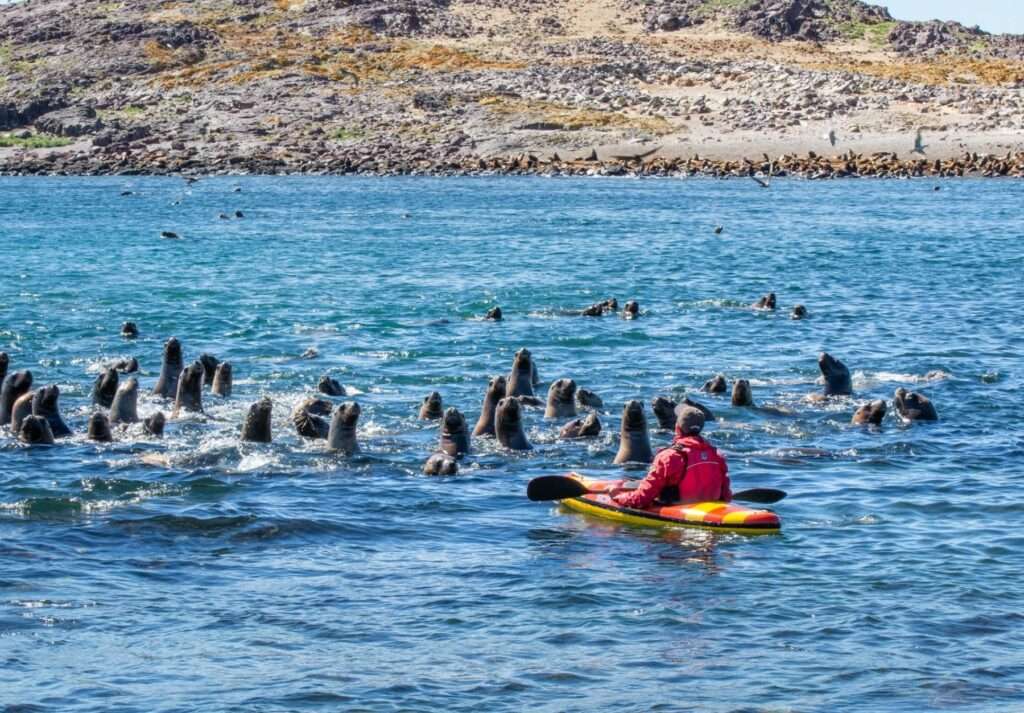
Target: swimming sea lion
[(913, 406), (431, 409), (634, 441), (631, 310), (342, 436), (741, 393), (190, 388), (222, 380), (665, 411), (104, 388), (124, 408), (872, 412), (154, 425), (837, 376), (520, 379), (309, 420), (127, 365), (170, 369), (594, 310), (5, 362), (611, 304), (561, 399), (329, 386), (799, 312), (494, 314), (717, 385), (508, 425), (45, 404), (99, 428), (129, 330), (22, 408), (495, 393), (210, 364), (36, 431), (687, 401), (310, 353), (585, 427), (454, 433), (588, 399), (257, 422), (15, 386), (766, 302), (441, 464)]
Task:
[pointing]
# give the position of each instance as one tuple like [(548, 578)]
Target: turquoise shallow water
[(280, 578)]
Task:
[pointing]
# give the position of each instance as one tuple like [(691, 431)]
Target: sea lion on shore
[(154, 425), (495, 392), (329, 386), (22, 408), (432, 408), (128, 365), (585, 427), (561, 399), (508, 425), (99, 428), (742, 394), (342, 436), (35, 430), (104, 388), (454, 433), (494, 314), (44, 404), (129, 330), (222, 380), (210, 364), (870, 413), (520, 379), (256, 428), (441, 464), (837, 376), (631, 310), (190, 389), (308, 418), (124, 408), (170, 369), (767, 302), (914, 406), (14, 387), (588, 399), (634, 441), (799, 312), (716, 385)]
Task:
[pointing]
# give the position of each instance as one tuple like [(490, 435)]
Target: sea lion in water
[(634, 441), (588, 399), (210, 364), (44, 404), (561, 399), (766, 302), (342, 436), (913, 406), (329, 386), (432, 408), (5, 362), (222, 380), (309, 420), (128, 365), (631, 310), (495, 393), (104, 388), (22, 408), (520, 379), (741, 393), (494, 314), (35, 430), (799, 312), (441, 464), (256, 428), (154, 425), (716, 385), (454, 433), (15, 386), (170, 369), (508, 425), (872, 412), (837, 376), (190, 389), (667, 411), (124, 408), (585, 427), (99, 428), (129, 330)]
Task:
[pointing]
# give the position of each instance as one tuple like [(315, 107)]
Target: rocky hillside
[(385, 85)]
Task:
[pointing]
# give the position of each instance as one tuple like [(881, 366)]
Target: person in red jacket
[(691, 470)]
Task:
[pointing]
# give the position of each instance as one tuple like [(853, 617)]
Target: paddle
[(560, 487)]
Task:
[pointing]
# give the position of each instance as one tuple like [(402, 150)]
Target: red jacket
[(692, 464)]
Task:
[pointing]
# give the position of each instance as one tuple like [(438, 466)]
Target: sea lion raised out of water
[(99, 428), (154, 425), (14, 387), (441, 464), (124, 408), (170, 369), (190, 389), (837, 376), (104, 388), (454, 438), (5, 363), (767, 302), (495, 392), (210, 364), (631, 310), (634, 441), (585, 427), (520, 379), (222, 380), (44, 404), (799, 312), (329, 386), (309, 418), (127, 365), (687, 401), (342, 436), (494, 314), (870, 413), (667, 411), (913, 406), (508, 425), (742, 394), (588, 399), (256, 428), (432, 408), (561, 399), (22, 408), (129, 330), (716, 385), (35, 430)]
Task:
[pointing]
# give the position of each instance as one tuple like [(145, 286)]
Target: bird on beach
[(831, 136), (919, 145)]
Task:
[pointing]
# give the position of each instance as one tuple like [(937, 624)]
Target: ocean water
[(248, 577)]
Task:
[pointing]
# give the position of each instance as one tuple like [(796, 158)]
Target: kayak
[(727, 517)]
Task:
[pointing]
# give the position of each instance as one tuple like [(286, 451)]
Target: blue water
[(281, 578)]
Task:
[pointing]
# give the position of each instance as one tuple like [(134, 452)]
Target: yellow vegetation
[(940, 71)]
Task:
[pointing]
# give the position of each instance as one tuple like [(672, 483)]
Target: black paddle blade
[(554, 487), (760, 495)]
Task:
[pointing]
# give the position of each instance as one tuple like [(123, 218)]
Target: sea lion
[(599, 309), (190, 389), (494, 314), (128, 365), (432, 408), (15, 386), (35, 430), (170, 369), (870, 413), (454, 433), (256, 428), (631, 310), (508, 425), (22, 408), (561, 399), (495, 393), (741, 393), (104, 388), (210, 364), (5, 362), (329, 386), (99, 428), (309, 420), (441, 464), (687, 401), (665, 411), (611, 304), (588, 399), (913, 406), (634, 441), (716, 385), (520, 379), (124, 408), (342, 436), (45, 404), (799, 312), (585, 427), (766, 302), (154, 425), (837, 376), (222, 380), (310, 353), (129, 330)]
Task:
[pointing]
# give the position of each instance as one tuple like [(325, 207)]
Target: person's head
[(689, 422)]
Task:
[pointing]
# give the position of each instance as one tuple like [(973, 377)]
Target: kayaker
[(691, 470)]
